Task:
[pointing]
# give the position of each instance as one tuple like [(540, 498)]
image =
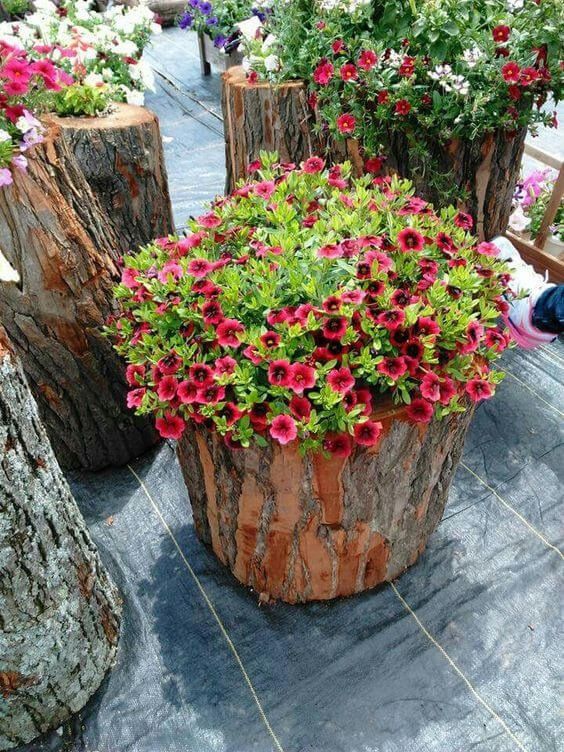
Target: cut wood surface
[(121, 156), (59, 611), (260, 117), (308, 528), (55, 234)]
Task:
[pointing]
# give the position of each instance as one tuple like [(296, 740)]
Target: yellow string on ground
[(533, 391), (211, 607), (551, 352), (513, 511), (455, 668)]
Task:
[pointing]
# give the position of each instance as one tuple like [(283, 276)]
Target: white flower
[(133, 96), (272, 63), (125, 47), (472, 55), (269, 42), (513, 5), (94, 79), (518, 220), (4, 135)]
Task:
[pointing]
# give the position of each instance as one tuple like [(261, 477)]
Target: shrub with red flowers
[(298, 301)]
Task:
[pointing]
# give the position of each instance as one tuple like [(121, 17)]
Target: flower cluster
[(300, 301), (101, 51), (24, 80), (220, 20), (532, 195)]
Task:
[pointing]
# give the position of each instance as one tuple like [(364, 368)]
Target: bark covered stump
[(59, 610), (55, 234), (308, 528), (121, 156), (263, 117)]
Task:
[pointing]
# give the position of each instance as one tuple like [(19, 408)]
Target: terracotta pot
[(309, 528)]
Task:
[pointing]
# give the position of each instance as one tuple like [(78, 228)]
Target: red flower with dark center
[(474, 333), (363, 270), (510, 72), (479, 389), (338, 444), (206, 288), (340, 380), (187, 392), (211, 394), (170, 364), (402, 107), (375, 289), (394, 367), (364, 397), (228, 331), (349, 72), (383, 96), (367, 433), (514, 92), (391, 319), (212, 313), (301, 377), (283, 428), (410, 240), (496, 340), (134, 374), (501, 33), (225, 366), (464, 221), (258, 415), (265, 189), (313, 165), (323, 73), (447, 390), (199, 268), (528, 76), (367, 60), (335, 328), (201, 374), (413, 348), (420, 411), (399, 336), (426, 326), (166, 388), (170, 426), (279, 373), (231, 413), (270, 340), (346, 123), (338, 46), (431, 387), (332, 304), (300, 407), (400, 298)]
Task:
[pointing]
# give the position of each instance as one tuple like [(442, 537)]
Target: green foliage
[(80, 99)]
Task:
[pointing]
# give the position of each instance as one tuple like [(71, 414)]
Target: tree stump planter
[(56, 235), (301, 529), (262, 117), (59, 610), (121, 157)]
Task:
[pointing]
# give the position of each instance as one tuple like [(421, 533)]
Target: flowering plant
[(298, 300), (532, 195), (101, 51), (219, 20)]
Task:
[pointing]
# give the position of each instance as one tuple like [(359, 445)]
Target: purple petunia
[(212, 21), (219, 41), (186, 21), (205, 7)]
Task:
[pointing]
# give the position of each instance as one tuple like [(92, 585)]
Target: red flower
[(170, 426), (209, 221), (392, 367), (410, 240), (474, 333), (283, 428), (166, 388), (364, 397), (391, 319), (496, 340), (383, 96), (407, 67), (464, 221), (212, 313), (252, 354), (340, 380), (348, 72), (231, 413), (135, 397), (413, 348), (265, 189), (488, 249), (510, 72), (338, 444), (431, 387), (402, 107), (426, 326), (211, 394), (187, 392), (367, 60), (258, 416), (479, 389), (228, 331), (335, 328), (367, 433), (354, 296), (132, 372), (313, 165), (301, 377), (201, 374), (528, 76), (332, 304), (420, 411), (225, 366), (323, 73), (199, 268), (338, 46), (170, 364), (270, 340), (279, 373), (346, 123), (447, 389), (501, 33), (300, 408), (374, 164)]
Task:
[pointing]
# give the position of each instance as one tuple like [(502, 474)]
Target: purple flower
[(20, 162), (5, 177), (205, 7), (186, 20), (212, 21), (194, 3), (219, 41)]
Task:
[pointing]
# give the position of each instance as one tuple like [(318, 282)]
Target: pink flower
[(510, 72), (447, 389), (279, 373), (394, 367), (253, 355), (270, 340), (187, 392), (211, 394), (367, 433), (391, 319), (129, 278), (228, 333), (212, 313), (300, 407), (340, 380), (170, 268), (313, 165), (464, 221), (231, 413), (330, 251), (265, 189), (225, 366), (367, 60), (199, 268), (479, 389), (354, 296), (132, 372), (410, 240), (431, 387), (346, 123), (496, 340), (338, 444), (283, 428), (170, 364), (166, 388), (420, 411), (170, 426), (209, 221), (323, 73), (186, 244), (488, 249), (301, 377), (474, 333), (426, 326), (135, 397), (335, 328), (348, 72), (201, 374)]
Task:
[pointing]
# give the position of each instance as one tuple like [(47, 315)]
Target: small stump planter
[(121, 157), (308, 528), (211, 56), (56, 234), (263, 117)]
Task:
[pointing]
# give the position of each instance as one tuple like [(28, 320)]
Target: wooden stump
[(261, 117), (59, 610), (54, 232), (301, 529), (121, 156)]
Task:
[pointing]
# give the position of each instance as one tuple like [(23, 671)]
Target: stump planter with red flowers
[(316, 344)]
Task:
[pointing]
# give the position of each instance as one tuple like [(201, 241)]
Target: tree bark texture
[(484, 171), (260, 117), (308, 528), (54, 232), (59, 610), (121, 156)]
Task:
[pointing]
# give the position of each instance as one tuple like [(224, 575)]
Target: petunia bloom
[(283, 428)]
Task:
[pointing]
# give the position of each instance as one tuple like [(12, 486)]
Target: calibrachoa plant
[(219, 19), (298, 300)]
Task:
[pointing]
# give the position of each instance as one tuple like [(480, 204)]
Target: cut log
[(55, 234), (121, 156), (59, 610), (263, 117), (308, 528), (484, 172)]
